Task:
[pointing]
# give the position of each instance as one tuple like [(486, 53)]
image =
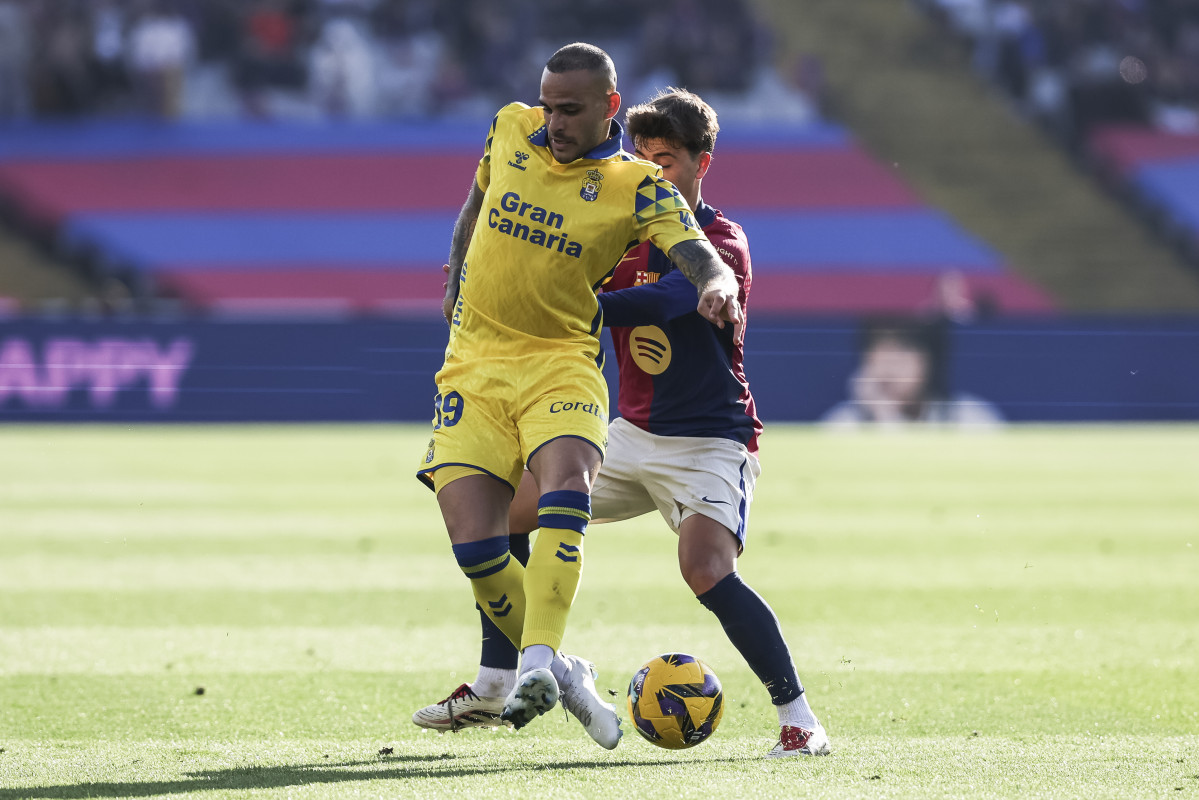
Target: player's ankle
[(494, 681), (536, 656)]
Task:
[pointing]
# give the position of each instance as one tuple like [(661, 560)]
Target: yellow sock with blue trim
[(552, 575), (498, 582)]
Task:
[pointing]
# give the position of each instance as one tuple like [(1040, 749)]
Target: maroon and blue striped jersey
[(680, 375)]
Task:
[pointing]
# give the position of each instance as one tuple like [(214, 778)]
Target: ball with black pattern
[(675, 701)]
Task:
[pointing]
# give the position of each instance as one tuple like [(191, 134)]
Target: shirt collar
[(605, 149)]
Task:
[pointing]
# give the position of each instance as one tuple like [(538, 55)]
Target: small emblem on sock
[(501, 607)]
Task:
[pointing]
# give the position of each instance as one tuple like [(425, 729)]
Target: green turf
[(1007, 615)]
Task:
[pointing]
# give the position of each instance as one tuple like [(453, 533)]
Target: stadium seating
[(357, 216), (1160, 168)]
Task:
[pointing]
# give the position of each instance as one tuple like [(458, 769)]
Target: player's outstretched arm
[(715, 282), (463, 229)]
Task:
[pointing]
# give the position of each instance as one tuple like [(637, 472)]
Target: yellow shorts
[(493, 414)]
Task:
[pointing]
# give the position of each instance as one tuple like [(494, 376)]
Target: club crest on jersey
[(645, 276), (591, 185), (520, 159)]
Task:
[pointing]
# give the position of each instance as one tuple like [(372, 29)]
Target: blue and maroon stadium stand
[(1160, 167), (357, 216)]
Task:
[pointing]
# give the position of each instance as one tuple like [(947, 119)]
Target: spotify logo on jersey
[(650, 349)]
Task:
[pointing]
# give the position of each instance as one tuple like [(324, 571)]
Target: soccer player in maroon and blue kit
[(686, 442)]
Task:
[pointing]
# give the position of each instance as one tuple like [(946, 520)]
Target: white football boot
[(536, 692), (462, 709), (795, 741), (580, 698)]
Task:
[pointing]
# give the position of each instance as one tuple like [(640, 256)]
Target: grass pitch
[(228, 612)]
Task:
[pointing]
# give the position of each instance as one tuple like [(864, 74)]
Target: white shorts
[(677, 475)]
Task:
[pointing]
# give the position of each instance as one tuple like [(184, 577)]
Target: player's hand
[(719, 304)]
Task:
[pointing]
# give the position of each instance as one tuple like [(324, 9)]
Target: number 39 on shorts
[(447, 410)]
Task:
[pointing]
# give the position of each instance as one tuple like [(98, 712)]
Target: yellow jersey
[(550, 234)]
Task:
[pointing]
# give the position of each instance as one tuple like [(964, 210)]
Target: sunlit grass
[(235, 611)]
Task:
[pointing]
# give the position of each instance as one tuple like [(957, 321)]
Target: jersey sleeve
[(672, 295), (733, 250), (483, 171), (662, 215), (654, 303)]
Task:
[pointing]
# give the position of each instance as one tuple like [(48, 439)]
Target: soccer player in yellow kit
[(686, 444), (555, 204)]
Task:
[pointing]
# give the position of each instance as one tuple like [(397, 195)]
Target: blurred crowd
[(361, 58), (1075, 63)]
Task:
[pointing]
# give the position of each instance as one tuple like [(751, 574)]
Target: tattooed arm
[(463, 229), (715, 282)]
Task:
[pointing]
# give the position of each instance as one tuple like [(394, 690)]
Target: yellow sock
[(555, 565), (551, 581), (497, 580)]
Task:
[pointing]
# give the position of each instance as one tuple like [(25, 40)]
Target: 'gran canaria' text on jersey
[(543, 228)]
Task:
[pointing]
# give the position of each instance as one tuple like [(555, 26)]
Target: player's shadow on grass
[(385, 768)]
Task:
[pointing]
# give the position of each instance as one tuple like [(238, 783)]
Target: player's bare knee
[(522, 514), (701, 574), (707, 553), (566, 464)]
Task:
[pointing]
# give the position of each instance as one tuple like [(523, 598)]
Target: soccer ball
[(675, 701)]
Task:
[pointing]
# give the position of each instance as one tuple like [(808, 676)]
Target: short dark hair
[(583, 56), (676, 116), (927, 336)]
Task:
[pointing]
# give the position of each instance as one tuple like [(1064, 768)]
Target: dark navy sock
[(754, 630), (498, 651)]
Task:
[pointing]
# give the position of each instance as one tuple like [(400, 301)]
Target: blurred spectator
[(953, 300), (901, 380), (703, 45), (413, 75), (14, 59), (809, 77), (62, 80), (268, 56), (368, 57), (343, 70), (161, 47), (108, 52), (495, 39), (218, 28), (1175, 107), (1073, 64)]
